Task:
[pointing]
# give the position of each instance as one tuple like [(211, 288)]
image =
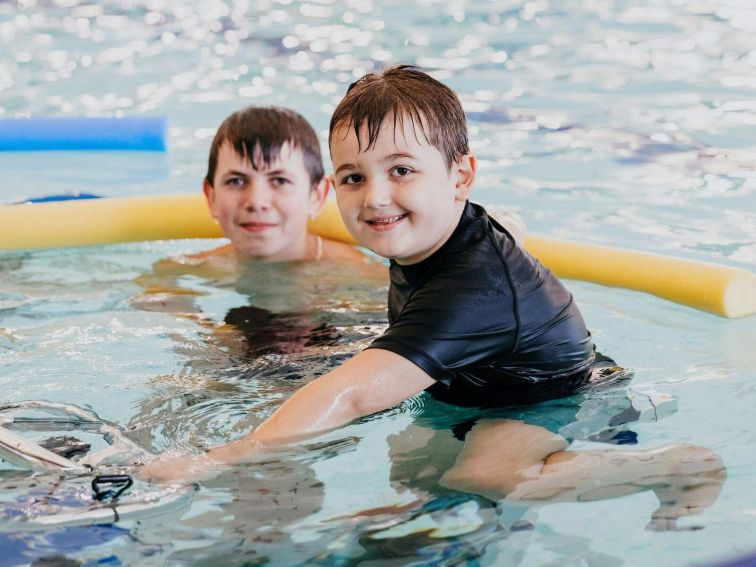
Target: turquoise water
[(620, 123)]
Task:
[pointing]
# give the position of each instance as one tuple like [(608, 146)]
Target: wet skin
[(398, 197), (264, 210)]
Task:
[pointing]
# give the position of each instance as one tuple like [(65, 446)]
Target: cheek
[(343, 203), (221, 208), (293, 210), (351, 198)]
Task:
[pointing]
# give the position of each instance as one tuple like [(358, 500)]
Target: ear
[(209, 192), (318, 196), (465, 170)]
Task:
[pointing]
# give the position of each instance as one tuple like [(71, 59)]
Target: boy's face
[(264, 212), (397, 198)]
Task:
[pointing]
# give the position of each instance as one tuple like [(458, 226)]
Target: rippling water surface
[(617, 122)]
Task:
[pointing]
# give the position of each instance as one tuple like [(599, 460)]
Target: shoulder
[(333, 250), (473, 282), (225, 251), (480, 263), (208, 262), (511, 222)]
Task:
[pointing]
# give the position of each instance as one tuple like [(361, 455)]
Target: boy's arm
[(371, 381), (162, 292)]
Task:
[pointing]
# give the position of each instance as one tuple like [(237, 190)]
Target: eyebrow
[(398, 155), (234, 173), (343, 167), (389, 157)]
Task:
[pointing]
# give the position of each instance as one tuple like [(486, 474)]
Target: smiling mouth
[(385, 222), (256, 226)]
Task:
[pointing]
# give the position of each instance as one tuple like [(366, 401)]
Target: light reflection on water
[(610, 121), (624, 106)]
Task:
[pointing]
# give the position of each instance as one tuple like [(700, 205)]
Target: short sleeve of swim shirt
[(460, 308), (453, 309)]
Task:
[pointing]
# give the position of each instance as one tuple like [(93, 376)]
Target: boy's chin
[(398, 257), (257, 252), (383, 252)]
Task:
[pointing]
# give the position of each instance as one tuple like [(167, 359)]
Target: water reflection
[(652, 103)]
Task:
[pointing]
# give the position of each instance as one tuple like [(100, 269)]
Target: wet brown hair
[(260, 132), (405, 92)]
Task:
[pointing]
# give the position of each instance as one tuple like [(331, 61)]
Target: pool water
[(621, 123)]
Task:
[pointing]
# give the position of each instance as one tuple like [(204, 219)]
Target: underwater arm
[(161, 291), (371, 381)]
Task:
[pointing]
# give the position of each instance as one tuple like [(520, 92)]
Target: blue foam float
[(43, 134), (61, 197)]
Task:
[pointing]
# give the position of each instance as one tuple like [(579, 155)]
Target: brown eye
[(352, 179), (401, 171)]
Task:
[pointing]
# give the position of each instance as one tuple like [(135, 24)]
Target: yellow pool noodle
[(723, 290), (105, 221)]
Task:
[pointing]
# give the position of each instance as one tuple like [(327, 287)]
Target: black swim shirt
[(486, 320)]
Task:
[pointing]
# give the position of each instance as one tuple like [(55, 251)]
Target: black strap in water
[(110, 486)]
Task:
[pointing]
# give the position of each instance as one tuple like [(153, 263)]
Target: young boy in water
[(264, 180), (485, 321), (473, 318)]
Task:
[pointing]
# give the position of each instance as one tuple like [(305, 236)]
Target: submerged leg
[(527, 464)]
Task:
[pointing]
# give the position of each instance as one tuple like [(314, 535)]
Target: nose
[(256, 197), (377, 193)]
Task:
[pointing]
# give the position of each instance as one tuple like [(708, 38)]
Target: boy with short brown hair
[(264, 181), (480, 316)]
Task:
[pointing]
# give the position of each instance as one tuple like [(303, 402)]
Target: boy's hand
[(179, 469)]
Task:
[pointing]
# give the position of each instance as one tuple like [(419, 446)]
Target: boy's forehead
[(286, 156), (401, 130)]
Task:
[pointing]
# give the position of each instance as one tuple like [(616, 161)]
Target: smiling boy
[(398, 196), (264, 180), (486, 321), (262, 210)]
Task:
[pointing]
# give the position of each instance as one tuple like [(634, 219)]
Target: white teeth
[(387, 220)]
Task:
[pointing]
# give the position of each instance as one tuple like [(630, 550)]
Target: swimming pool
[(614, 122)]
